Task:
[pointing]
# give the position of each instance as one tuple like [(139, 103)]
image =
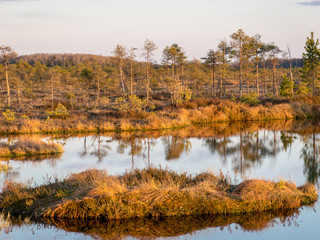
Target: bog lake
[(277, 150)]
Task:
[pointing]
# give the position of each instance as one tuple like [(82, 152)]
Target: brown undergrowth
[(28, 146), (162, 118), (151, 193)]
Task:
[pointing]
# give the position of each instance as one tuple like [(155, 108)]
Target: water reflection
[(254, 149), (148, 228), (246, 146), (281, 149), (310, 156), (136, 146), (173, 227), (175, 146), (10, 171)]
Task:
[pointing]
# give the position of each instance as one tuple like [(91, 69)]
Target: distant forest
[(72, 60)]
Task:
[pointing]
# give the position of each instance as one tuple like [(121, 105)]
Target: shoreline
[(103, 121)]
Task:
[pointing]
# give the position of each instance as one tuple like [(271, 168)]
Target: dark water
[(275, 150)]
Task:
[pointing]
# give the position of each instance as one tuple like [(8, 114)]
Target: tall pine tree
[(311, 62)]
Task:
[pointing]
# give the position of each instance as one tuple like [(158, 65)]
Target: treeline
[(71, 60), (241, 67), (63, 60)]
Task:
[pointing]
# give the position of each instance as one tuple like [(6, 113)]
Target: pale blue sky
[(97, 26)]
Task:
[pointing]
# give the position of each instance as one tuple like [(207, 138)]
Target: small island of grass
[(28, 147), (151, 193)]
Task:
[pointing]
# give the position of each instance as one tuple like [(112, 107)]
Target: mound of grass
[(28, 147), (152, 193)]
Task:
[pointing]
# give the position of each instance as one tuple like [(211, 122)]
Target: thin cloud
[(16, 0), (312, 3)]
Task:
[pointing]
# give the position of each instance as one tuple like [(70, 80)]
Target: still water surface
[(277, 150)]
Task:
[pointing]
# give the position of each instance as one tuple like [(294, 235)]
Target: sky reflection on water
[(265, 153)]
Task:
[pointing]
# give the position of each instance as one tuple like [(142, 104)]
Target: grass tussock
[(152, 193), (28, 147)]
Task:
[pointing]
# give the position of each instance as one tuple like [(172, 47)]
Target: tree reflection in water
[(310, 156), (175, 146), (247, 149), (244, 146), (96, 148), (136, 146)]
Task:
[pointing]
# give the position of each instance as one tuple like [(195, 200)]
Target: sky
[(97, 26)]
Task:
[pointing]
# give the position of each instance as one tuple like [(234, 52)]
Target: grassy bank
[(28, 147), (152, 193), (166, 117)]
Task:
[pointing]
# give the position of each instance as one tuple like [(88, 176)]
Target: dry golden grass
[(151, 193), (28, 146), (125, 125), (193, 113)]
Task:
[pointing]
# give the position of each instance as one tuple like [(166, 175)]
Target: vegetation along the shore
[(192, 113)]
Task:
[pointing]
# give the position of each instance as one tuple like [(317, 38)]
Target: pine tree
[(120, 53), (6, 54), (311, 62), (286, 86), (148, 48), (210, 61), (238, 42), (224, 50)]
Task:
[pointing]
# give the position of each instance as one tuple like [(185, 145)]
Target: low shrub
[(60, 112), (9, 116), (251, 98)]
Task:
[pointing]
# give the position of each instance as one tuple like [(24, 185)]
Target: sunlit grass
[(196, 112), (151, 193), (28, 146)]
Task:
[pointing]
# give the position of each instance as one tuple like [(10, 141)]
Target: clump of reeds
[(28, 147), (5, 222), (152, 193)]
